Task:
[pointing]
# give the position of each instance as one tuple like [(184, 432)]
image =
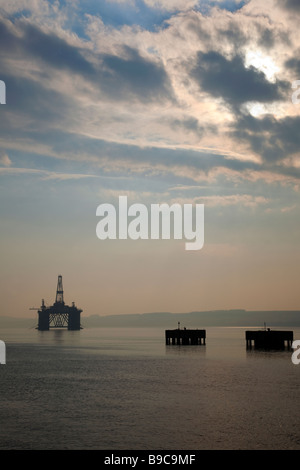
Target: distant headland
[(197, 319)]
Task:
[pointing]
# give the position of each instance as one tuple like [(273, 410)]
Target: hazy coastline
[(198, 319)]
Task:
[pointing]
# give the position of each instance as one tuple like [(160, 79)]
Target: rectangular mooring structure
[(267, 339), (185, 337)]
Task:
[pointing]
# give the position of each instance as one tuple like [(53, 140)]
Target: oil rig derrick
[(59, 315)]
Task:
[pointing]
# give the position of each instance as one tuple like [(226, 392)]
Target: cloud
[(125, 99), (124, 75), (294, 64), (4, 159), (246, 200), (232, 81), (32, 101), (25, 40), (44, 174), (273, 139), (54, 50), (190, 124), (131, 74), (292, 5), (233, 34), (288, 208)]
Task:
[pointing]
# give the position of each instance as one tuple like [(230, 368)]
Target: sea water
[(102, 388)]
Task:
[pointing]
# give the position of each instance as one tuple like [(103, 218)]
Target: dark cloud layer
[(273, 139), (234, 35), (293, 5), (122, 77), (55, 51), (135, 75), (294, 64), (128, 76), (231, 80), (36, 104), (32, 43)]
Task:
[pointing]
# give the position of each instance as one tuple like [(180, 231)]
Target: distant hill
[(13, 322), (197, 319), (170, 320)]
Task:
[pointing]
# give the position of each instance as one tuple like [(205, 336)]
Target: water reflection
[(185, 350), (59, 337)]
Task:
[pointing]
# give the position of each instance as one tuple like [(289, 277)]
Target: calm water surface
[(124, 389)]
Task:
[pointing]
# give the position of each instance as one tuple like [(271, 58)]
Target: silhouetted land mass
[(197, 319), (170, 320)]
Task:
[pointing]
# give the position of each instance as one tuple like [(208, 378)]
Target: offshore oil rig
[(58, 315)]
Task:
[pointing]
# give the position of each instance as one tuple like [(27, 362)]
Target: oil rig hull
[(59, 317)]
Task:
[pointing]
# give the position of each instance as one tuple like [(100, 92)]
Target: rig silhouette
[(58, 315)]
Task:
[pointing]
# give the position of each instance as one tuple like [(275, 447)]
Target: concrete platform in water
[(269, 339), (185, 336)]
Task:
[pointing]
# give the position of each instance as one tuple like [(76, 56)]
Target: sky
[(163, 101)]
